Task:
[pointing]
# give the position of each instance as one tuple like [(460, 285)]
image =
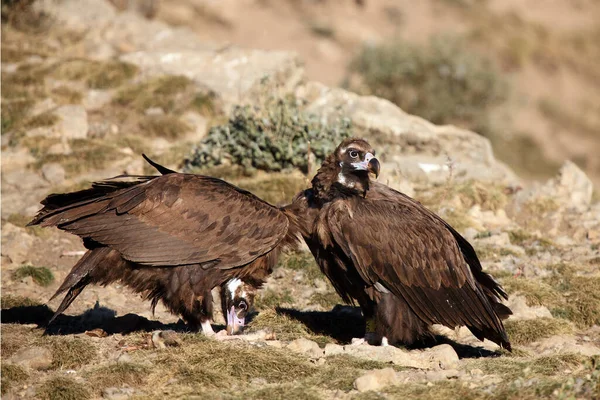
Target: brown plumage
[(172, 238), (175, 237), (404, 265)]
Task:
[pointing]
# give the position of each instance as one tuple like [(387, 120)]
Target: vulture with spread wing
[(175, 237)]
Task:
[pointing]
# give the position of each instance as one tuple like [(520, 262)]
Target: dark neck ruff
[(326, 186)]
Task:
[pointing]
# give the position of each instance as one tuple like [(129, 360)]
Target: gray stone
[(73, 123), (442, 356), (38, 358), (114, 393), (53, 173), (332, 349), (412, 147), (520, 309), (307, 347), (198, 123), (124, 359), (16, 243), (387, 354), (375, 379), (233, 74), (96, 99)]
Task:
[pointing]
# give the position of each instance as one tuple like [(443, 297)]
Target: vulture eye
[(353, 153)]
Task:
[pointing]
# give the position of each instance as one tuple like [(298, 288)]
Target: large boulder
[(410, 146)]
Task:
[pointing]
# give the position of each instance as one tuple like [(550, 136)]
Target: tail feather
[(79, 277)]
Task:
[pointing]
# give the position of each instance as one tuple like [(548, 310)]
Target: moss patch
[(86, 155), (269, 298), (41, 275), (326, 300), (302, 261), (523, 332), (581, 299), (536, 293), (60, 388), (170, 93)]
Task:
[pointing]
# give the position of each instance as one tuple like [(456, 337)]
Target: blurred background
[(523, 74)]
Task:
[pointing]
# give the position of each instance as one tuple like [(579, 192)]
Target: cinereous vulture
[(175, 237)]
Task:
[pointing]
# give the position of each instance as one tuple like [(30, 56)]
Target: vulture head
[(355, 159), (237, 297)]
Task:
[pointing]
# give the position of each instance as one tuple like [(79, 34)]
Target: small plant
[(445, 82), (40, 275), (273, 137)]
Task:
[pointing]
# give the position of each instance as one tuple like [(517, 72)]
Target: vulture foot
[(207, 328)]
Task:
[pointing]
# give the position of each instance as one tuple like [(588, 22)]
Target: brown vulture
[(174, 237)]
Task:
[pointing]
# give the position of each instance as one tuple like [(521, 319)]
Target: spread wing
[(394, 241), (174, 219)]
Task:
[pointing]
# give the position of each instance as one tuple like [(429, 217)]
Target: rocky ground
[(85, 91)]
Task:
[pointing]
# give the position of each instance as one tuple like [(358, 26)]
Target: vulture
[(175, 237)]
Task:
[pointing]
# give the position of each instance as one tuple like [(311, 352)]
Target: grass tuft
[(95, 74), (12, 375), (268, 298), (164, 92), (60, 388), (69, 353), (41, 275), (166, 126), (523, 332), (118, 374), (10, 301)]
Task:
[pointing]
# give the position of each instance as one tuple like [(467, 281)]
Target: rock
[(96, 13), (42, 106), (154, 111), (96, 99), (441, 375), (521, 310), (124, 359), (16, 243), (375, 380), (73, 123), (53, 173), (565, 344), (14, 159), (442, 356), (387, 354), (232, 74), (164, 339), (412, 147), (198, 123), (62, 148), (307, 347), (38, 358), (114, 393), (331, 349), (574, 185)]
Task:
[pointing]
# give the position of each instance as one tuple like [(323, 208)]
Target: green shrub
[(40, 275), (272, 137), (444, 82)]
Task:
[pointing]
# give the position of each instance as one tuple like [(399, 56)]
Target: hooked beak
[(235, 325), (370, 164)]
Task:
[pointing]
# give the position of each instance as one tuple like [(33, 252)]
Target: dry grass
[(12, 375), (326, 300), (10, 301), (40, 275), (208, 363), (167, 126), (69, 352), (276, 188), (523, 332), (40, 120), (302, 261), (467, 194), (268, 298), (15, 337), (65, 95), (581, 299), (87, 155), (60, 388), (170, 93), (536, 293), (95, 74), (284, 327), (118, 374)]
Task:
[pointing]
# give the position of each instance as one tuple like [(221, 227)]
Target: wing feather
[(394, 241), (175, 219)]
